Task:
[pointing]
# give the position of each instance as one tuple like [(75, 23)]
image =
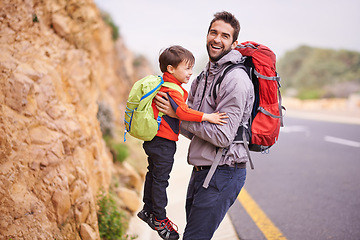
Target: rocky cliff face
[(57, 62)]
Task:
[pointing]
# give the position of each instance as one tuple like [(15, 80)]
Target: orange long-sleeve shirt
[(170, 127)]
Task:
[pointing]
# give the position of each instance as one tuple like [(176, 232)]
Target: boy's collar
[(170, 78)]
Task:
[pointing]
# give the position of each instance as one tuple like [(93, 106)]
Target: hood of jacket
[(233, 57)]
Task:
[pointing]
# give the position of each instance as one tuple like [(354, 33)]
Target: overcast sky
[(148, 26)]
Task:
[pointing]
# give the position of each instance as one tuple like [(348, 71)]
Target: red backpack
[(264, 124)]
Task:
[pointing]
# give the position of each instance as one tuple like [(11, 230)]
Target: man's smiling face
[(220, 40)]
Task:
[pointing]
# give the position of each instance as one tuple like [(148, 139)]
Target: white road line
[(342, 141)]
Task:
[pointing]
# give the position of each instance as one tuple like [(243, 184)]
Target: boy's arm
[(163, 104), (216, 118), (181, 109), (183, 112)]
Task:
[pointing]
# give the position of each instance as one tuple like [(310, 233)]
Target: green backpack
[(139, 115)]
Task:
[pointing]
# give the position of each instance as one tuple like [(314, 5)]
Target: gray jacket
[(235, 97)]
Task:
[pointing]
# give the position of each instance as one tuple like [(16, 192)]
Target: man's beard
[(217, 58)]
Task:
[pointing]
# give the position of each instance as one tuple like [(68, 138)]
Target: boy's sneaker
[(165, 228), (147, 217)]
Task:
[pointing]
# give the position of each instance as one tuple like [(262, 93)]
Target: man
[(210, 196)]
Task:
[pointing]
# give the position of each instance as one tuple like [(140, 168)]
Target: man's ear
[(170, 69), (234, 44)]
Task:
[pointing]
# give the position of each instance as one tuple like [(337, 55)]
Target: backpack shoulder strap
[(222, 76), (174, 86), (151, 78)]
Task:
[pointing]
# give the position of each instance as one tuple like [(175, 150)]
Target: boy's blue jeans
[(160, 153), (206, 208)]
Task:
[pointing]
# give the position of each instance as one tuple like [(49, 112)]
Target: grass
[(113, 222)]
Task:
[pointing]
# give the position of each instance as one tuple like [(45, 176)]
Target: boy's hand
[(163, 104), (216, 118)]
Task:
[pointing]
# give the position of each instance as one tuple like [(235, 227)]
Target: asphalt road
[(308, 185)]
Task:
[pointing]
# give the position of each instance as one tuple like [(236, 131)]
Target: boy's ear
[(170, 69)]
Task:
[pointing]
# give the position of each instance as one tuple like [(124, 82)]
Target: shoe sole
[(163, 234), (169, 238), (147, 220)]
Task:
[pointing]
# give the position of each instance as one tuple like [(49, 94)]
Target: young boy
[(176, 63)]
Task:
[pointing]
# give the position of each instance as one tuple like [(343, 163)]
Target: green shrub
[(121, 152), (310, 94), (317, 69), (112, 221), (35, 18), (106, 117), (109, 21)]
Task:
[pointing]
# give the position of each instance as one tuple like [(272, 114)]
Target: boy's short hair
[(230, 19), (173, 56)]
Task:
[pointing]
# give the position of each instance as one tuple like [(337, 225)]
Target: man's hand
[(163, 104)]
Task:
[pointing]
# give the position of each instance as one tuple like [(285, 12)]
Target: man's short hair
[(173, 56), (230, 19)]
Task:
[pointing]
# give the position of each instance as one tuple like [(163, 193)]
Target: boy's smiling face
[(182, 72)]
